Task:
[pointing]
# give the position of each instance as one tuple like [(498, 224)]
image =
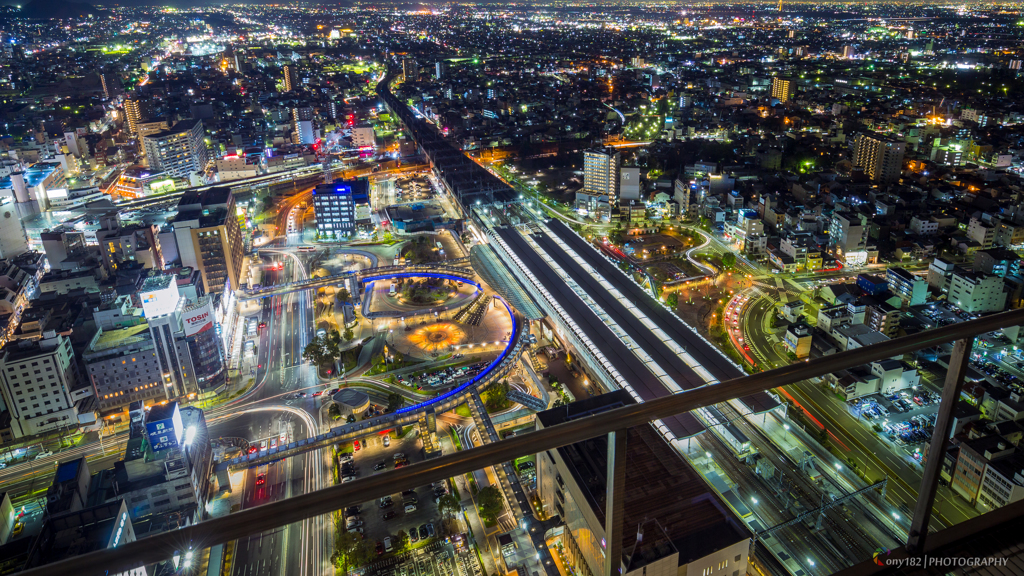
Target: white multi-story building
[(180, 151), (363, 137), (977, 292), (924, 226), (41, 386), (981, 232)]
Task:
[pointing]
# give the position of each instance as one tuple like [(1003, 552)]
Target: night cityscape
[(512, 289)]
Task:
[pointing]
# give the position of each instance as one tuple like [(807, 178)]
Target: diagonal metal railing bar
[(224, 529)]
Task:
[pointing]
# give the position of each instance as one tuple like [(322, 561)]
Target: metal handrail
[(160, 547)]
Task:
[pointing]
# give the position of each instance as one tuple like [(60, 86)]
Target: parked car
[(387, 544), (389, 515)]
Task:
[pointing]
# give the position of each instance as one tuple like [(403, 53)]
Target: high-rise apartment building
[(291, 79), (410, 70), (601, 172), (209, 237), (135, 111), (783, 89), (881, 157), (180, 151)]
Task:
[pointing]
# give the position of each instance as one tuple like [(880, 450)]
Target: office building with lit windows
[(122, 367), (335, 206), (209, 237)]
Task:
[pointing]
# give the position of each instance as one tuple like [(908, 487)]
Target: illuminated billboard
[(199, 319)]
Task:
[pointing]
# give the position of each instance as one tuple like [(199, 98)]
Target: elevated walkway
[(499, 368), (456, 267)]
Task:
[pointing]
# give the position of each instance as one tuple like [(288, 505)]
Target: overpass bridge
[(410, 415), (459, 266)]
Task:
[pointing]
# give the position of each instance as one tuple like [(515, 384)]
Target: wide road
[(267, 411)]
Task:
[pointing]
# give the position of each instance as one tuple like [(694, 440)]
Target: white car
[(43, 455), (344, 458), (347, 479), (387, 441)]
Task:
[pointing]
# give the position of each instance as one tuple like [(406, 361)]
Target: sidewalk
[(479, 535)]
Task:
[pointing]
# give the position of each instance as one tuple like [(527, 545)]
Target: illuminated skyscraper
[(290, 80), (881, 158), (783, 89), (601, 172)]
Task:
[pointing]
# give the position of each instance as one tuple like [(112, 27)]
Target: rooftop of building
[(110, 339), (660, 485), (999, 253), (158, 282), (204, 200), (76, 533)]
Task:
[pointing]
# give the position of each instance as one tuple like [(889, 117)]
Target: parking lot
[(904, 418), (443, 557), (414, 512)]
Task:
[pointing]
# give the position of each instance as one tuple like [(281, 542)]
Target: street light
[(839, 467), (896, 516)]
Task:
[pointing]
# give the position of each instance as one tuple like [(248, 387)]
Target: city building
[(180, 152), (135, 111), (13, 240), (880, 377), (66, 536), (363, 137), (122, 367), (975, 456), (977, 292), (913, 290), (167, 465), (883, 317), (69, 491), (629, 184), (880, 157), (783, 89), (998, 261), (981, 232), (335, 206), (848, 236), (42, 388), (234, 167), (209, 237), (940, 274), (291, 80), (798, 339), (601, 173), (673, 522), (410, 70), (681, 195)]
